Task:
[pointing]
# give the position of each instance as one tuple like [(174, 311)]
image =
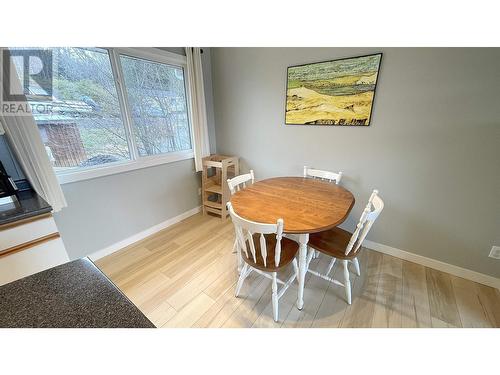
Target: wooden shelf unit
[(215, 192)]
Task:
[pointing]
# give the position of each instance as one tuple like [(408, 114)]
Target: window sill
[(121, 167)]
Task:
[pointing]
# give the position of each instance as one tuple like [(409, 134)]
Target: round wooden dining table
[(306, 205)]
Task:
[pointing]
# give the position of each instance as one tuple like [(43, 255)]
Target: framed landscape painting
[(338, 92)]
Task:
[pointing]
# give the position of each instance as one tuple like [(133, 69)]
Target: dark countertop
[(29, 204), (73, 295)]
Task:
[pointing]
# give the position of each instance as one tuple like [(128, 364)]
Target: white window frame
[(136, 161)]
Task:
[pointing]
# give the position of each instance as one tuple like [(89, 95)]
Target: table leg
[(303, 240)]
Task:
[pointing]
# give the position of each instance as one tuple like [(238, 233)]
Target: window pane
[(83, 127), (157, 100)]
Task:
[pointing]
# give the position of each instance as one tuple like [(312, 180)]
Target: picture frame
[(339, 92)]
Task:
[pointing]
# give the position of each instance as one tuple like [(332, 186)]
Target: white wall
[(432, 148)]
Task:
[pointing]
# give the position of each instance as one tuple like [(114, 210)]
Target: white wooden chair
[(236, 184), (341, 244), (265, 251), (323, 175), (240, 182)]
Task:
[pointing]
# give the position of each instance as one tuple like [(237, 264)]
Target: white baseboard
[(435, 264), (143, 234)]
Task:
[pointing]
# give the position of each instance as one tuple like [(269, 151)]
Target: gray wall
[(432, 148), (106, 210)]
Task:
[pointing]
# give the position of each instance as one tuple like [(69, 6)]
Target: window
[(112, 110), (157, 98)]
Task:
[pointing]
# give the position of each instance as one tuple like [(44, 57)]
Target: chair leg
[(356, 266), (243, 275), (347, 283), (330, 266), (240, 262), (235, 246), (275, 297), (238, 256)]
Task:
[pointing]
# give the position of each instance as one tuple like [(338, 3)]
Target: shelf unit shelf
[(211, 204), (213, 186), (215, 192)]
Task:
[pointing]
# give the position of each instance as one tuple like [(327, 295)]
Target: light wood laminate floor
[(185, 276)]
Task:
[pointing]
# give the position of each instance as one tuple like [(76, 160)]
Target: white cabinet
[(29, 246), (28, 231)]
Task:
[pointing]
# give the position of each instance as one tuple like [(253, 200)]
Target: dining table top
[(306, 205)]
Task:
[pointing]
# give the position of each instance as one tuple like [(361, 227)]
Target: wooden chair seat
[(333, 242), (289, 249)]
